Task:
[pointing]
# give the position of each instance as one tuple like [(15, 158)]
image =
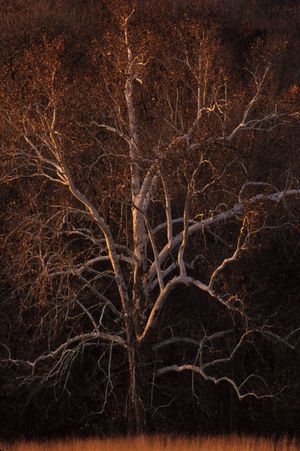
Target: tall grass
[(159, 443)]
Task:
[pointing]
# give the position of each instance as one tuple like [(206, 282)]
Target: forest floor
[(159, 443)]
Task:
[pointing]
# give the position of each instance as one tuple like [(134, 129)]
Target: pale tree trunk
[(135, 415), (138, 223), (135, 410)]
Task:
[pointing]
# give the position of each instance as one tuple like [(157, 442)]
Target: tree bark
[(135, 411)]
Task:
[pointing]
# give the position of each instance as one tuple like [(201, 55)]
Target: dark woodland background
[(74, 31)]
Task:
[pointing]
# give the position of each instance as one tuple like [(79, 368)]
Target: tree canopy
[(150, 216)]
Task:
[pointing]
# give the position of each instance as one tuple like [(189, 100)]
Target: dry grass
[(159, 443)]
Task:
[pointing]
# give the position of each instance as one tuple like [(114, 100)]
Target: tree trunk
[(135, 411)]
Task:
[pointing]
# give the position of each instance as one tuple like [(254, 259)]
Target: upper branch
[(236, 211)]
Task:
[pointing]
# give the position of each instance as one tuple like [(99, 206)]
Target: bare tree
[(108, 263)]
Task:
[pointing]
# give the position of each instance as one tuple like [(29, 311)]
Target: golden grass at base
[(158, 443)]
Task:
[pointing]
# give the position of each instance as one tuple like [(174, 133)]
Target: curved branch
[(236, 211)]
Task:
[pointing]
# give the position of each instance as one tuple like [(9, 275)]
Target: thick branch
[(237, 210)]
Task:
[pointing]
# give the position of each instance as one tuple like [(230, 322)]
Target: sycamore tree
[(139, 174)]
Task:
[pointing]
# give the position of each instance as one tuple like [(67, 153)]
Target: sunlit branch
[(64, 346), (79, 269), (236, 211), (168, 288), (111, 129), (239, 247)]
